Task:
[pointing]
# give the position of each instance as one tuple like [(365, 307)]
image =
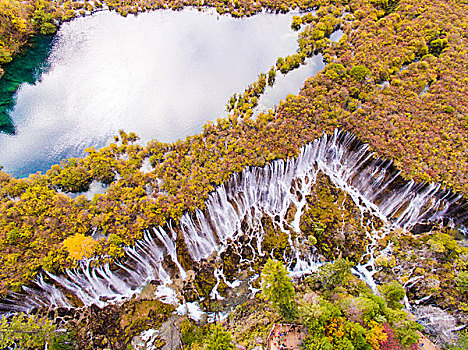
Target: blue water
[(25, 69)]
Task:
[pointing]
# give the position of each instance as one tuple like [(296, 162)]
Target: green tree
[(5, 54), (220, 339), (361, 309), (345, 344), (393, 293), (272, 76), (332, 275), (318, 343), (462, 281), (461, 344), (357, 334), (359, 73), (71, 176), (437, 46), (191, 333), (44, 17), (278, 288), (407, 332), (296, 23), (315, 316), (28, 332)]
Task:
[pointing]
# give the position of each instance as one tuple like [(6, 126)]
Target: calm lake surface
[(160, 74)]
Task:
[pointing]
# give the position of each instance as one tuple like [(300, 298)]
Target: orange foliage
[(376, 335), (335, 329)]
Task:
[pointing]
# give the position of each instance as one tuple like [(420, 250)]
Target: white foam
[(167, 295), (193, 310)]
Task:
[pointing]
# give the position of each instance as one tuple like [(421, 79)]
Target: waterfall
[(236, 208), (103, 284)]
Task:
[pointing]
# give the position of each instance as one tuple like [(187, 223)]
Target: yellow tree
[(80, 246)]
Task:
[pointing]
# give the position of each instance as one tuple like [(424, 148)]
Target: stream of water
[(234, 212)]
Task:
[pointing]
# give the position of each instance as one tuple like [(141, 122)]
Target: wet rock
[(114, 326), (190, 276), (147, 291), (204, 320), (422, 228), (170, 333)]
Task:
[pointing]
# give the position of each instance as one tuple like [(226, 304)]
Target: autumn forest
[(393, 96)]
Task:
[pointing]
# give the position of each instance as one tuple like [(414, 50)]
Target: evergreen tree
[(278, 288), (393, 293), (334, 274), (220, 339)]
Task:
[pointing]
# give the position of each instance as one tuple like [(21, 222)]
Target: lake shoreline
[(107, 65)]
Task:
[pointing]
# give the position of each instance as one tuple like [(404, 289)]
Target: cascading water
[(234, 211), (101, 285)]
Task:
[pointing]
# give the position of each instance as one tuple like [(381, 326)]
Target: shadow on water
[(26, 68)]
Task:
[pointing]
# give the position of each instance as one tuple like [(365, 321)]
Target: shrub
[(359, 73)]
